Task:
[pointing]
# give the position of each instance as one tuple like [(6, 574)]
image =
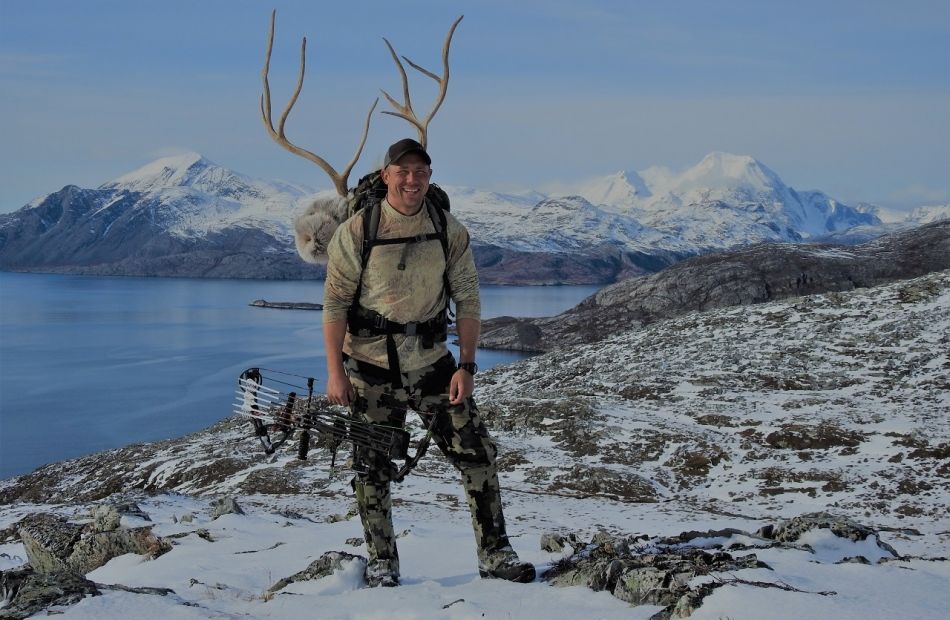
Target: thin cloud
[(14, 64), (919, 195)]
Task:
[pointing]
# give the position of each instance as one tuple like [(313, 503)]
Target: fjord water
[(89, 363)]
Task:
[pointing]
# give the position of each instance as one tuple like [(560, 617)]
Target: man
[(385, 331)]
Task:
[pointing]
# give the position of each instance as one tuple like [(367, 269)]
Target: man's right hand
[(339, 389)]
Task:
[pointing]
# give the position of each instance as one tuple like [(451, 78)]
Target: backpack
[(368, 197)]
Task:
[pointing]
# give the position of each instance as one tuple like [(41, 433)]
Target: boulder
[(654, 574), (791, 530), (55, 545), (105, 518), (224, 506), (324, 566), (27, 592)]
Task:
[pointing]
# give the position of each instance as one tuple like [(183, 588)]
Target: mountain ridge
[(629, 224)]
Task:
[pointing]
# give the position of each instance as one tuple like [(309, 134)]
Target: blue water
[(90, 363)]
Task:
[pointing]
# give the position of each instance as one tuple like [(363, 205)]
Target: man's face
[(407, 180)]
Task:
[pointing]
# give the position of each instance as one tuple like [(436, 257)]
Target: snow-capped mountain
[(177, 216), (723, 201), (199, 197), (185, 215), (928, 214)]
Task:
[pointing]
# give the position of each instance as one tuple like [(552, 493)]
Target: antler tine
[(404, 111), (278, 135)]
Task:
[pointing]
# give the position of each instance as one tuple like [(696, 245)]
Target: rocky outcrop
[(598, 265), (749, 276), (27, 592), (327, 564), (225, 506), (792, 529), (55, 545), (660, 571), (641, 574)]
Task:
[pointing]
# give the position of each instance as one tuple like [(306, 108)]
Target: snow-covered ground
[(735, 418)]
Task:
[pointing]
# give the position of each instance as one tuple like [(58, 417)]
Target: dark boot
[(496, 558), (382, 574), (375, 506), (505, 564)]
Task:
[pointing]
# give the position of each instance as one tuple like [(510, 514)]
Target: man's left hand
[(461, 387)]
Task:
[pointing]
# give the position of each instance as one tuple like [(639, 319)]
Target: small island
[(286, 305)]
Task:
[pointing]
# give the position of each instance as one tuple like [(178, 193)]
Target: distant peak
[(181, 161), (171, 170), (728, 160), (728, 166)]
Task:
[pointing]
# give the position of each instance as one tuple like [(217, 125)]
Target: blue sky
[(851, 97)]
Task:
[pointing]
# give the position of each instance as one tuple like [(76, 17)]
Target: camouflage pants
[(456, 429)]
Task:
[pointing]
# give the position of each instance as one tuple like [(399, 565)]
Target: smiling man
[(391, 271)]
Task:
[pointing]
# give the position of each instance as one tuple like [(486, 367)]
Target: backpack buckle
[(379, 321), (411, 329)]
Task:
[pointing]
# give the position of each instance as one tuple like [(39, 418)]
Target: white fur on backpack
[(314, 228)]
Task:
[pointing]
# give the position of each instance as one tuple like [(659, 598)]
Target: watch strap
[(469, 367)]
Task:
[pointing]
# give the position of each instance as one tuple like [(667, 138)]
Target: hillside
[(687, 437), (750, 275)]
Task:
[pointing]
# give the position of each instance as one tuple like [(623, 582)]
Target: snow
[(724, 201), (925, 215), (871, 362), (829, 548), (194, 197)]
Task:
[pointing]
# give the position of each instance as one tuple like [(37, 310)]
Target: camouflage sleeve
[(463, 278), (343, 270)]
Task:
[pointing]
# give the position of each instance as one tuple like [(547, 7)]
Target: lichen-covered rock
[(791, 530), (820, 437), (94, 550), (655, 574), (55, 545), (49, 541), (106, 518), (603, 481), (224, 506), (27, 592), (843, 527), (324, 566), (553, 542), (131, 509)]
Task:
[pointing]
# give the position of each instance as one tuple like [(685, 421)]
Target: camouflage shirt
[(413, 294)]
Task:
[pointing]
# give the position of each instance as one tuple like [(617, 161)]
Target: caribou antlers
[(404, 110), (315, 227), (339, 178)]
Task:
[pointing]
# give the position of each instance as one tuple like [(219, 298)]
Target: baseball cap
[(404, 147)]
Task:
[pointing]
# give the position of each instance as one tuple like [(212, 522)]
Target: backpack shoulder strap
[(370, 229), (440, 222)]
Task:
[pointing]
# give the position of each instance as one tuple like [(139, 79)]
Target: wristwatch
[(469, 367)]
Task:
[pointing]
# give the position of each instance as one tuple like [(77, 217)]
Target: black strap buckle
[(411, 329), (379, 321)]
